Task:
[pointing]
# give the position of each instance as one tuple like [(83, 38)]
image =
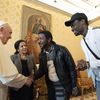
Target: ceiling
[(90, 7)]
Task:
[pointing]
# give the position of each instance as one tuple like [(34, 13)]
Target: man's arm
[(71, 66), (8, 72), (73, 74)]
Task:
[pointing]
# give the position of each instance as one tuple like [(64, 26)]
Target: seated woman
[(26, 66)]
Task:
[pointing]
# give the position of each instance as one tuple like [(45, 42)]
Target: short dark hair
[(16, 45), (47, 34)]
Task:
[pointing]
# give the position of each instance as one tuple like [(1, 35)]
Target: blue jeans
[(97, 84)]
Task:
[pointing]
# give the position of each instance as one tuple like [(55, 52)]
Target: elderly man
[(9, 75)]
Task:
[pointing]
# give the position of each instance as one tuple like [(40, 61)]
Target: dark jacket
[(65, 69), (24, 93)]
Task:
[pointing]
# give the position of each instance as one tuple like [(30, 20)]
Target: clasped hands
[(29, 81)]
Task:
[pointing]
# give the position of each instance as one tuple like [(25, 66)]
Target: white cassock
[(9, 75)]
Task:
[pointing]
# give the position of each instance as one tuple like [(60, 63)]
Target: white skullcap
[(2, 23)]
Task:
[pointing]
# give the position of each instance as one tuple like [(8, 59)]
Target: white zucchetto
[(2, 23)]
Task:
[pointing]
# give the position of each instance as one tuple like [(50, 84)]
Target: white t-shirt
[(93, 40), (51, 71)]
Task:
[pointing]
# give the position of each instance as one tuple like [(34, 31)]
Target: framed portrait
[(34, 21)]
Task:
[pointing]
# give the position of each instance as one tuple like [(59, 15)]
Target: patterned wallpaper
[(11, 11)]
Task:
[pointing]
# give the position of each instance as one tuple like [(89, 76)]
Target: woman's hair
[(16, 45)]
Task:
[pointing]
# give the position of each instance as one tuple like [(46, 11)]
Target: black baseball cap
[(75, 17)]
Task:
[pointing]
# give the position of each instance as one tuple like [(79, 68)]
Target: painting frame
[(29, 16), (34, 21)]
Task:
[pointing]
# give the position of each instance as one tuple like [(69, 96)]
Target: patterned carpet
[(88, 96)]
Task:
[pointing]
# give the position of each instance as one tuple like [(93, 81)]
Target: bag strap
[(91, 50)]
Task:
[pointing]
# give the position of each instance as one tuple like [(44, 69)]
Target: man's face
[(6, 34), (43, 42), (77, 27)]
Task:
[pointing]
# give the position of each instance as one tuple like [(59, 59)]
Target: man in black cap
[(90, 44)]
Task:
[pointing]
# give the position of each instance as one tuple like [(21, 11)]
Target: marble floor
[(88, 96)]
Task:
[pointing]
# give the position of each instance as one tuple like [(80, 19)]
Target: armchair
[(84, 82)]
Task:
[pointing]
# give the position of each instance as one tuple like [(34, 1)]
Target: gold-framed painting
[(34, 20)]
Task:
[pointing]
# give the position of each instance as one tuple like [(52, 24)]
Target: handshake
[(29, 80)]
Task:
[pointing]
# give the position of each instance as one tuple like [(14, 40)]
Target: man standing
[(90, 44), (9, 75), (58, 66)]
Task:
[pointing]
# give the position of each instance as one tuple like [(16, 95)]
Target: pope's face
[(5, 34)]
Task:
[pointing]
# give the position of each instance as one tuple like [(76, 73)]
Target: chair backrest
[(83, 74), (84, 80)]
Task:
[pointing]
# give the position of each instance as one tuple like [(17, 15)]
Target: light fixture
[(93, 3)]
